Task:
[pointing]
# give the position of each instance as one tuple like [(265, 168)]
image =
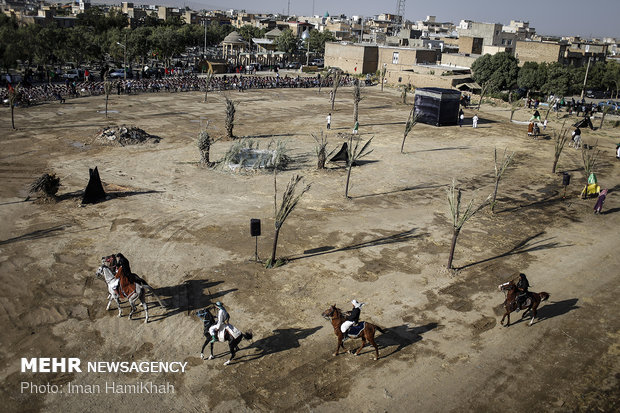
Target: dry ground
[(186, 230)]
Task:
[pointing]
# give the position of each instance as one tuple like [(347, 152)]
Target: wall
[(352, 58), (539, 52)]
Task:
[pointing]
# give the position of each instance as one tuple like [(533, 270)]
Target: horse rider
[(222, 320), (522, 285), (353, 318)]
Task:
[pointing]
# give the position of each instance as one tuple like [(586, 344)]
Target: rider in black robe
[(522, 285)]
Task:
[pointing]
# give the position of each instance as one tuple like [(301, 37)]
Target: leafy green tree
[(611, 77), (287, 42), (499, 72), (529, 77), (317, 40), (559, 80), (248, 32), (9, 50)]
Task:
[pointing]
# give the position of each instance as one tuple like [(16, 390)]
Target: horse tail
[(248, 335), (383, 331), (544, 296), (154, 295)]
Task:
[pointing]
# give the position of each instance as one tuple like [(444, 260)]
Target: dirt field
[(185, 229)]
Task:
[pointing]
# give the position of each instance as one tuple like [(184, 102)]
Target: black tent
[(342, 155), (436, 106), (94, 190), (585, 122)]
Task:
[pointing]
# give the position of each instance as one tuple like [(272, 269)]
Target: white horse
[(134, 291)]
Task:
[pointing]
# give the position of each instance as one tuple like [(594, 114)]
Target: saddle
[(356, 329), (232, 331)]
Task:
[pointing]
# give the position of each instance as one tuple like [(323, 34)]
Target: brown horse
[(532, 301), (336, 316)]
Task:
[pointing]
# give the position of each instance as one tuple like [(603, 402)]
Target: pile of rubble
[(123, 135)]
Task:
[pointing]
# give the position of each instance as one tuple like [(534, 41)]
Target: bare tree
[(458, 218), (204, 146), (513, 108), (559, 142), (500, 168), (483, 91), (354, 153), (289, 202), (230, 118), (403, 93), (107, 88), (357, 97), (208, 78), (606, 110), (336, 76), (47, 185), (589, 161), (412, 120), (13, 94), (383, 72), (321, 150)]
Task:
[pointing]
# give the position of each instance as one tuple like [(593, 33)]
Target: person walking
[(356, 127), (329, 120), (474, 121)]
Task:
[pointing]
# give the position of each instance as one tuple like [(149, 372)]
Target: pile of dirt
[(123, 135)]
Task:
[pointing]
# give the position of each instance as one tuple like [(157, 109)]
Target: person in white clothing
[(474, 121), (222, 321)]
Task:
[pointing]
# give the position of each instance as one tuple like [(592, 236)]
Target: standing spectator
[(461, 117), (356, 127), (474, 121), (545, 125), (86, 74), (329, 120)]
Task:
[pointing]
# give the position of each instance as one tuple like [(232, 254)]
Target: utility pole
[(585, 79)]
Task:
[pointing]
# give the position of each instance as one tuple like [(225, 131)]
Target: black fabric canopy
[(436, 106)]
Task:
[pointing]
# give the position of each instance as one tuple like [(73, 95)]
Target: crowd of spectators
[(48, 92)]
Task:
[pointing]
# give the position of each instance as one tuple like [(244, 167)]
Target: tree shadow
[(550, 200), (527, 245), (452, 148), (109, 195), (188, 296), (409, 188), (282, 340), (38, 234), (381, 124), (390, 239)]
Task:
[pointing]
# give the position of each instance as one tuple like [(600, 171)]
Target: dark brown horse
[(532, 301), (336, 316)]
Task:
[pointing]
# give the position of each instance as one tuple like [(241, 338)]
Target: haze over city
[(597, 18)]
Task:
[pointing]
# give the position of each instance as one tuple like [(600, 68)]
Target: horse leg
[(371, 339), (146, 310), (109, 302), (132, 303), (533, 308), (357, 353), (202, 350), (232, 346), (339, 345), (211, 356), (118, 304)]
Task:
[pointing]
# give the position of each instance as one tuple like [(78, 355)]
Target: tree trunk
[(275, 246), (106, 104), (494, 195), (322, 159), (555, 163), (402, 146), (602, 119), (355, 110), (12, 116), (455, 235), (346, 188), (333, 101)]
